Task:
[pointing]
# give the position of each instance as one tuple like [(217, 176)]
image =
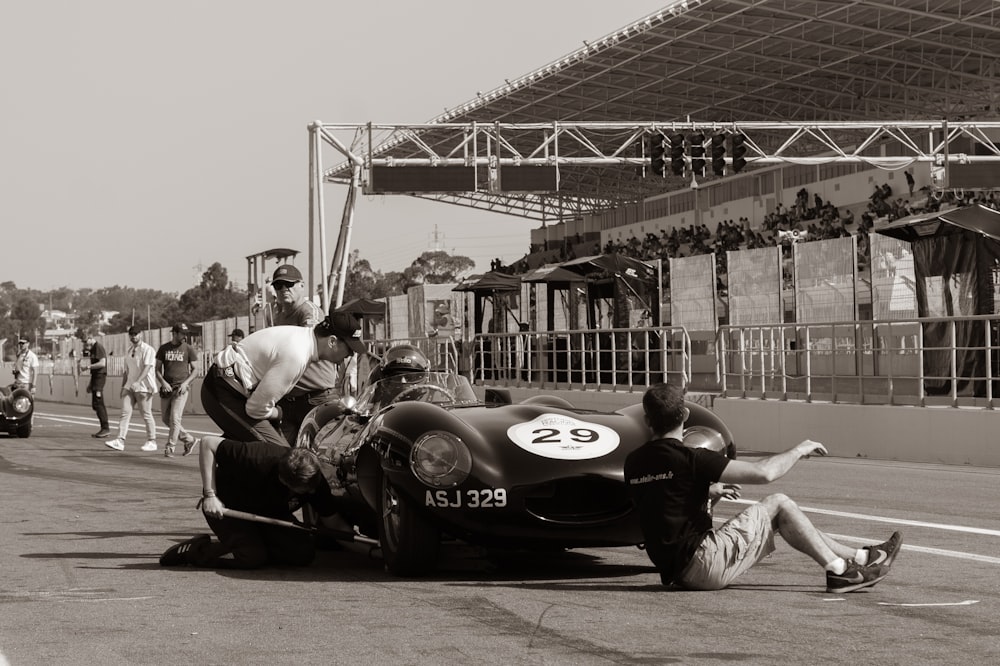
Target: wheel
[(409, 543), (24, 430), (427, 389)]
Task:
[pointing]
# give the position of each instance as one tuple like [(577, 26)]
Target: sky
[(140, 142)]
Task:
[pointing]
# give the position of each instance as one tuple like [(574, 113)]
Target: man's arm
[(160, 379), (771, 468), (210, 504)]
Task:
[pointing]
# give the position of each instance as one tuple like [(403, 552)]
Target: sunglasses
[(280, 284)]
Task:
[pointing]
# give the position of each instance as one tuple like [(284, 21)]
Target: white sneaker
[(118, 444), (149, 446)]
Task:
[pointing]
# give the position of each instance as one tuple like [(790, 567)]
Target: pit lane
[(82, 528)]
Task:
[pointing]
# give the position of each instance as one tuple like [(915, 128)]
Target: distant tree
[(23, 317), (214, 298), (364, 282), (437, 267)]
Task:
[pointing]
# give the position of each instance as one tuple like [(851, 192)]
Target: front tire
[(24, 431), (410, 544)]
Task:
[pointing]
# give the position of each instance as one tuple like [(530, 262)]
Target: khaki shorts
[(730, 550)]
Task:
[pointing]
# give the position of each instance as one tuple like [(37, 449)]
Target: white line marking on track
[(894, 521), (967, 602), (83, 420), (96, 601)]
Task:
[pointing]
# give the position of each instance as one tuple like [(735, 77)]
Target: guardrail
[(865, 362), (607, 359)]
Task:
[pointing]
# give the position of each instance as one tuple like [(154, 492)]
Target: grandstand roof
[(730, 61)]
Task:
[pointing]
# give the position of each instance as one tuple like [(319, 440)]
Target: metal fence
[(606, 359), (865, 362)]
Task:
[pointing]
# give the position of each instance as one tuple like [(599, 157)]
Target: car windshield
[(441, 388)]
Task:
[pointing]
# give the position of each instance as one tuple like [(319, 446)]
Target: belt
[(307, 395)]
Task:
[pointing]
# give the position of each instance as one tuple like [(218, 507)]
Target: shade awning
[(492, 281), (363, 307), (551, 273), (978, 218), (619, 265)]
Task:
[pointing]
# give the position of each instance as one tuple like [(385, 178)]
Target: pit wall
[(911, 434)]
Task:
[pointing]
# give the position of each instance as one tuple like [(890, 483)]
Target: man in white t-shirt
[(25, 366), (139, 385)]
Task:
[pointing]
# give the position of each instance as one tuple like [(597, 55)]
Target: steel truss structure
[(827, 67)]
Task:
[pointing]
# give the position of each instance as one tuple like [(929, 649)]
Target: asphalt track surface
[(82, 527)]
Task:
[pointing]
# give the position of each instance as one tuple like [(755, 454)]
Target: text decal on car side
[(564, 437), (486, 498)]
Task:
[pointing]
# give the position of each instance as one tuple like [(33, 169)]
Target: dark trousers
[(246, 545), (229, 411), (294, 410), (97, 399)]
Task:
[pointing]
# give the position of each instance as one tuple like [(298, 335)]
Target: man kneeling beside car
[(260, 478)]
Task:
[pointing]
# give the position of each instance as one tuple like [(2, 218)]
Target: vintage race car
[(16, 409), (428, 460)]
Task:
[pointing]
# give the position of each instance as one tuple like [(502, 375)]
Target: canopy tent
[(617, 265), (363, 307), (490, 282), (551, 273), (955, 253), (977, 218)]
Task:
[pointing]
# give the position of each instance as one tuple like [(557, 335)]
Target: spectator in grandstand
[(138, 388), (25, 366), (675, 488), (909, 181), (245, 384), (175, 370), (318, 384)]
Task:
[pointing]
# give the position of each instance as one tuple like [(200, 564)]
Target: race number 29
[(564, 437)]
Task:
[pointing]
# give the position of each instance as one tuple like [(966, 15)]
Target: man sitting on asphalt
[(259, 478), (674, 486)]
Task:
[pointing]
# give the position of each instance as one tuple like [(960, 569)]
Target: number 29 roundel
[(564, 437)]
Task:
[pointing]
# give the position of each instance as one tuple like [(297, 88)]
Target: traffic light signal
[(676, 154), (737, 148), (657, 149), (719, 154), (696, 150)]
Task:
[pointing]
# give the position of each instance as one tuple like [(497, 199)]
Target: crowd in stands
[(808, 218)]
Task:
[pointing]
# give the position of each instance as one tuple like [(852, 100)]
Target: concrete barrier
[(910, 434)]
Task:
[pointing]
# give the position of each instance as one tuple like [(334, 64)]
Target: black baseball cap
[(287, 273), (179, 328), (346, 327), (134, 330)]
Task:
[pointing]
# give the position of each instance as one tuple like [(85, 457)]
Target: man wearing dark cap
[(242, 388), (175, 365), (138, 388), (318, 383)]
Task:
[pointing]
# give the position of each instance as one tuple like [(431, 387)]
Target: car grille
[(582, 500)]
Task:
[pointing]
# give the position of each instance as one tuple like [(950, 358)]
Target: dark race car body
[(534, 475), (16, 409)]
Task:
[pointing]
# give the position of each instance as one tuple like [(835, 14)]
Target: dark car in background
[(16, 410)]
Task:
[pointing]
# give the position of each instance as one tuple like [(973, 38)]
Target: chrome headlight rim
[(440, 459), (21, 404)]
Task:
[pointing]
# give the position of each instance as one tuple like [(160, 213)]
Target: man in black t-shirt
[(264, 479), (98, 366), (674, 488)]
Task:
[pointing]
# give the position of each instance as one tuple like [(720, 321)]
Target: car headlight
[(703, 437), (22, 404), (440, 459)]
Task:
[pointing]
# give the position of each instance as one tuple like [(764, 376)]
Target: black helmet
[(403, 360)]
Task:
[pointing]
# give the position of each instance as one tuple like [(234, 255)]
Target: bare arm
[(211, 505), (771, 468)]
